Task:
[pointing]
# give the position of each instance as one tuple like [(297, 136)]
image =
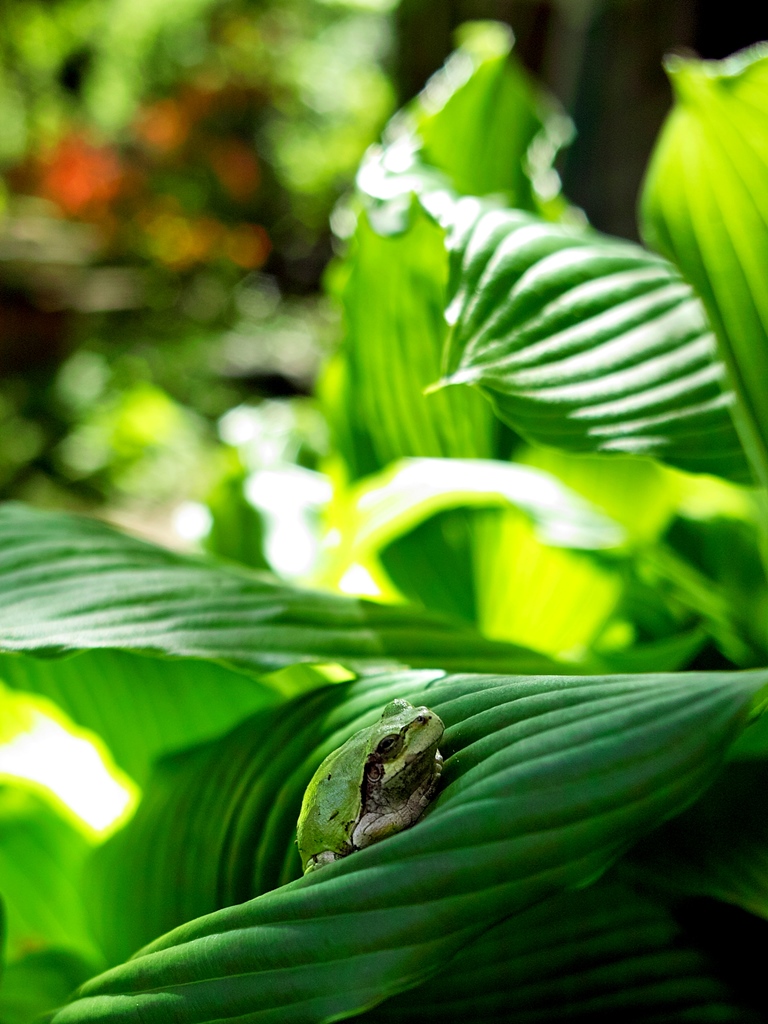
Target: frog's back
[(332, 802)]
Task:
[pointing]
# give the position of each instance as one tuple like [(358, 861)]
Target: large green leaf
[(42, 857), (586, 343), (705, 204), (163, 649), (547, 780), (387, 505), (72, 584), (603, 954), (142, 706)]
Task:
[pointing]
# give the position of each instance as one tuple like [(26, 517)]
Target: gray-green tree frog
[(377, 783)]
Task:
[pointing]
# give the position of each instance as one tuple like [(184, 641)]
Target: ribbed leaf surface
[(217, 824), (705, 205), (69, 584), (586, 343), (546, 781), (594, 956)]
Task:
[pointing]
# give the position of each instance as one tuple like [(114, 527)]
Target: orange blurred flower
[(79, 176)]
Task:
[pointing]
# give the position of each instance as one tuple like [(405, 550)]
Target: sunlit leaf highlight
[(705, 206)]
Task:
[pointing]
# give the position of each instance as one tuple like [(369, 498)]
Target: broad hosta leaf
[(70, 584), (39, 982), (546, 781), (41, 867), (602, 954), (487, 565), (382, 507), (705, 205), (586, 343)]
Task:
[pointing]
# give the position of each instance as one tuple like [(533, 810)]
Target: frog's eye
[(390, 744)]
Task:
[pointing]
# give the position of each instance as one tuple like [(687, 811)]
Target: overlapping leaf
[(547, 780), (142, 707), (217, 823), (479, 127), (705, 205), (71, 584), (479, 117), (394, 333), (74, 586), (586, 343)]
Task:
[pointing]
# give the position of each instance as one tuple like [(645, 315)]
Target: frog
[(376, 784)]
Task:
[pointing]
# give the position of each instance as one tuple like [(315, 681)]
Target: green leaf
[(72, 584), (705, 205), (601, 954), (586, 343), (480, 116), (394, 333), (142, 707), (408, 492), (39, 982), (480, 127), (42, 858), (546, 782)]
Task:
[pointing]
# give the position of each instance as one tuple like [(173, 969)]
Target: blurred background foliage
[(175, 184)]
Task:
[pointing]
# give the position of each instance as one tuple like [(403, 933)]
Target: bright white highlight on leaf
[(70, 767), (290, 497), (359, 582), (192, 521)]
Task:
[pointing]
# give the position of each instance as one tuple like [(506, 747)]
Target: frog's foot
[(319, 860)]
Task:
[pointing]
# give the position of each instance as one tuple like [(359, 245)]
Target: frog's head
[(405, 734)]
